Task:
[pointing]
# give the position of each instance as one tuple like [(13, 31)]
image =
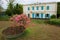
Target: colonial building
[(40, 10)]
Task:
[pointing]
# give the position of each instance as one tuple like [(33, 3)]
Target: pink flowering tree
[(18, 25), (19, 20)]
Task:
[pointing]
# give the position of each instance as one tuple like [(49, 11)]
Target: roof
[(40, 3)]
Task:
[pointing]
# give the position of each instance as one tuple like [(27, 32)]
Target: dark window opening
[(47, 15), (28, 15), (37, 15), (28, 8)]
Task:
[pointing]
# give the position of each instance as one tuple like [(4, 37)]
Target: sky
[(4, 3)]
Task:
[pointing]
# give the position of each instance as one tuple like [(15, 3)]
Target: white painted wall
[(51, 11)]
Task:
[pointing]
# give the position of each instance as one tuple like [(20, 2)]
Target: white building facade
[(40, 10)]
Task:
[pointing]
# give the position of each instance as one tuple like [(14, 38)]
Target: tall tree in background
[(14, 9), (9, 10), (18, 9), (1, 8), (58, 9)]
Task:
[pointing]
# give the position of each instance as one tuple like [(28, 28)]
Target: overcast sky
[(27, 2)]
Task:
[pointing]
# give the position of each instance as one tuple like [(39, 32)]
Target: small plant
[(53, 16)]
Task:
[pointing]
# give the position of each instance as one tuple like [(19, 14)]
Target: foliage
[(18, 9), (53, 16), (1, 8), (18, 26), (58, 9), (20, 20), (54, 21), (11, 10)]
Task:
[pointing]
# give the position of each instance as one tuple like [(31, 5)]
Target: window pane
[(47, 7), (33, 8), (28, 8), (37, 15), (41, 15), (47, 15), (28, 15), (33, 15), (37, 8), (42, 7)]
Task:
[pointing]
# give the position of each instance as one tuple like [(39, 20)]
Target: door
[(47, 15), (33, 15), (37, 15), (41, 15), (28, 15)]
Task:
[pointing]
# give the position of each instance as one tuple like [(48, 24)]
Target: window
[(47, 7), (28, 15), (42, 15), (33, 8), (37, 8), (42, 7), (37, 15), (28, 8), (47, 15), (33, 15)]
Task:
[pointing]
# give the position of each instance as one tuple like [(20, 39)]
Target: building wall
[(52, 9)]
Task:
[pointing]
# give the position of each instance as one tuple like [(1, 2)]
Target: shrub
[(4, 18), (18, 26), (20, 20), (54, 21), (53, 16)]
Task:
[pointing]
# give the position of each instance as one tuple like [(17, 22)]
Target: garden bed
[(12, 32)]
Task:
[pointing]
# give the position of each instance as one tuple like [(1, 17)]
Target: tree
[(1, 8), (18, 9), (10, 1), (58, 9), (9, 10)]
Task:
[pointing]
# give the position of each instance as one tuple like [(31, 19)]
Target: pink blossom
[(21, 20)]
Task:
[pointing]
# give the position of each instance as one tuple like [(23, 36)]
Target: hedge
[(54, 21), (4, 18)]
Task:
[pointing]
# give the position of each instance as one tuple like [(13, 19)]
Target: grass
[(37, 30), (38, 21)]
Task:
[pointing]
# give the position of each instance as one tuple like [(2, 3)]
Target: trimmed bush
[(53, 16), (54, 21)]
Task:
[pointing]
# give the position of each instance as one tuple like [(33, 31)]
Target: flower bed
[(18, 25), (11, 32)]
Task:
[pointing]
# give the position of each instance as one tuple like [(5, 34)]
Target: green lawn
[(37, 30)]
